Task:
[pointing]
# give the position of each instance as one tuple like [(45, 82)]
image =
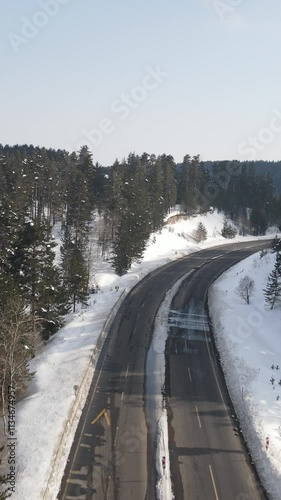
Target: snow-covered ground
[(47, 418), (249, 341), (164, 489)]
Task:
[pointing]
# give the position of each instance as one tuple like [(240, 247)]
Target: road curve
[(208, 459), (113, 458)]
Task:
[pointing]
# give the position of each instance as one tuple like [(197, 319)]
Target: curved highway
[(113, 455)]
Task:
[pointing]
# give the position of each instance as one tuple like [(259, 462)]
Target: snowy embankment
[(48, 416), (249, 341)]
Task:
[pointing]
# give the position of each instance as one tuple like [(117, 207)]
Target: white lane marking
[(82, 472), (122, 396), (199, 421), (189, 372), (217, 256), (212, 364), (142, 305), (80, 482), (127, 372), (214, 484), (216, 378)]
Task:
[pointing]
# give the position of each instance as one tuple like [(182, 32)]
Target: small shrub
[(228, 230), (200, 233)]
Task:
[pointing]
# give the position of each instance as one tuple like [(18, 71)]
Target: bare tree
[(18, 342), (246, 288)]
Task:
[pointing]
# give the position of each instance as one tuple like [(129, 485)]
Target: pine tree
[(276, 244), (78, 196), (272, 292), (122, 258), (8, 288), (33, 270), (259, 221), (116, 202), (27, 261), (74, 269), (200, 233), (156, 200), (184, 188), (169, 182), (11, 221), (92, 175), (192, 183), (53, 301), (135, 224), (228, 231)]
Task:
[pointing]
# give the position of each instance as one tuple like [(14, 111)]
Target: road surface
[(113, 453), (208, 459)]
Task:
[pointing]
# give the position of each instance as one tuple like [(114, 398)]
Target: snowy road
[(113, 455)]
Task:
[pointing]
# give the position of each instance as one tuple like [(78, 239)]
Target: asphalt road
[(208, 459), (113, 458)]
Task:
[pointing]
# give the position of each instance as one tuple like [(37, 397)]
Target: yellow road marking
[(106, 418), (103, 412), (214, 484)]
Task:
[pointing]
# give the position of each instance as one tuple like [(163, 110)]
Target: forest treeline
[(42, 188)]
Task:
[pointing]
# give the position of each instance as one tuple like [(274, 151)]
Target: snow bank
[(249, 342), (48, 416), (164, 485)]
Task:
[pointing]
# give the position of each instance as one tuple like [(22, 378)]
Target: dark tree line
[(42, 188), (141, 191), (40, 283), (249, 198), (38, 189)]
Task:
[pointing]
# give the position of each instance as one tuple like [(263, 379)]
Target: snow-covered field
[(47, 418), (249, 341)]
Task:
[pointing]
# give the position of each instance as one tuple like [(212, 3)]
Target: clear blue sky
[(60, 81)]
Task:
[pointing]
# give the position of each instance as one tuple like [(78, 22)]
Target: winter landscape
[(70, 356), (140, 250)]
